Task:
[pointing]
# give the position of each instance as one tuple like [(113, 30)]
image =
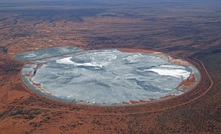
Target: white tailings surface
[(109, 76)]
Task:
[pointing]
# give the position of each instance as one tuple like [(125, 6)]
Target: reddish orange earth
[(25, 111), (190, 31)]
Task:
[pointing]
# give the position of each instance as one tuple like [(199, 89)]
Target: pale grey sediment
[(106, 77), (48, 53)]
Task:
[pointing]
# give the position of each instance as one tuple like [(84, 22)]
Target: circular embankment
[(109, 77)]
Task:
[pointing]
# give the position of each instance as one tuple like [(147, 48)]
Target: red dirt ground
[(26, 111), (189, 31)]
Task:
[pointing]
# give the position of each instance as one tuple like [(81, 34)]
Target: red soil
[(130, 50), (28, 112), (186, 84), (167, 96), (28, 74)]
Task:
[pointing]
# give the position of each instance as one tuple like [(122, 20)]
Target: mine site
[(106, 77), (110, 66)]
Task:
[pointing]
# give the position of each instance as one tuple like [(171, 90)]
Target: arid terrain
[(184, 29)]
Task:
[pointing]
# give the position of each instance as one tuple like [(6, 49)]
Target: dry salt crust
[(104, 77)]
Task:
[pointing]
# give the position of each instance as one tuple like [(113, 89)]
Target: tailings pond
[(105, 77)]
